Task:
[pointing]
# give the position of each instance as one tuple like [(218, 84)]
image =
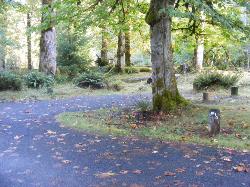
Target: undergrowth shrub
[(116, 85), (145, 69), (131, 70), (36, 79), (143, 106), (214, 79), (90, 79), (61, 78), (10, 81)]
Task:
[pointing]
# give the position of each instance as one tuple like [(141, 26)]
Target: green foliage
[(114, 85), (168, 101), (10, 81), (72, 59), (71, 71), (37, 79), (61, 78), (90, 79), (208, 80), (131, 70), (145, 69), (101, 63), (144, 106)]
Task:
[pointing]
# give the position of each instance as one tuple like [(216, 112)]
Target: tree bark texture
[(2, 59), (29, 42), (165, 93), (3, 26), (120, 52), (127, 49), (199, 50), (48, 45), (104, 50)]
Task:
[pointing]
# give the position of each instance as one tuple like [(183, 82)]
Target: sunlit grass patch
[(188, 125), (69, 90)]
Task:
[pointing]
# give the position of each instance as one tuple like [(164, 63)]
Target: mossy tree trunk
[(104, 49), (29, 41), (48, 42), (164, 87), (2, 59), (120, 52), (127, 49)]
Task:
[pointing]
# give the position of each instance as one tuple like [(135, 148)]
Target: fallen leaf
[(133, 126), (105, 175), (123, 172), (180, 170), (228, 159), (66, 161), (18, 137), (199, 173), (50, 132), (238, 136), (158, 177), (137, 171), (168, 173), (241, 168)]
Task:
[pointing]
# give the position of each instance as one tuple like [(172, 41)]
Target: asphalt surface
[(36, 151)]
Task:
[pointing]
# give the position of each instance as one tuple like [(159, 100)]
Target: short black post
[(205, 96), (234, 91), (214, 122)]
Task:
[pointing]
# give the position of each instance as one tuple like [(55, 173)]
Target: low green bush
[(208, 80), (37, 79), (143, 106), (90, 79), (145, 69), (222, 66), (10, 81), (131, 70), (61, 78), (101, 63), (70, 71), (116, 85)]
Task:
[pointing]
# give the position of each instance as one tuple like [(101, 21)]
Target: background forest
[(96, 39)]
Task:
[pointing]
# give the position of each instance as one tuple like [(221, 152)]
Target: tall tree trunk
[(127, 49), (48, 43), (199, 53), (2, 59), (199, 50), (120, 52), (3, 26), (104, 50), (29, 41), (164, 87)]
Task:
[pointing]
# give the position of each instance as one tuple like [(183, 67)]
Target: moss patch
[(168, 101)]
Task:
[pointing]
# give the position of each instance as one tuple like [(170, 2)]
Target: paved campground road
[(36, 151)]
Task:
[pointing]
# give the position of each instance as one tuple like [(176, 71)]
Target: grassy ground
[(189, 125), (69, 90)]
